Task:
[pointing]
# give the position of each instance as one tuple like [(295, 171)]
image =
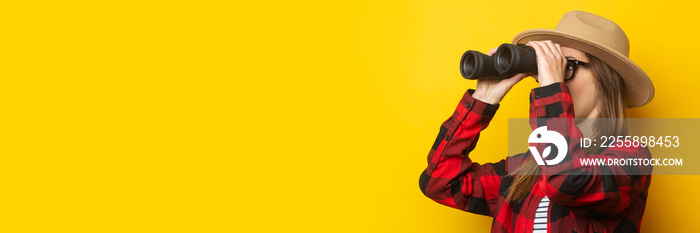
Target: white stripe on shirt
[(540, 225)]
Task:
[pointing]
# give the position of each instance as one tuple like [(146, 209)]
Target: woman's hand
[(551, 62), (492, 91)]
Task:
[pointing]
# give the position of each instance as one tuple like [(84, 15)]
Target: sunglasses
[(571, 67)]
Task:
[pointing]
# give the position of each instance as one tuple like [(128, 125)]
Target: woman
[(584, 72)]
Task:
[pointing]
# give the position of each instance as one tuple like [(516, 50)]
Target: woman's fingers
[(510, 82), (551, 63), (558, 54), (492, 51), (540, 49), (560, 51), (550, 49), (536, 47)]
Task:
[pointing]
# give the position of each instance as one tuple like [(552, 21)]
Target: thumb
[(510, 82)]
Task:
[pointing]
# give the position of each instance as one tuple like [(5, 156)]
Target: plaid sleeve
[(596, 191), (451, 178)]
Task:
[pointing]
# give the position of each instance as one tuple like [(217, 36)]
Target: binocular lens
[(508, 60), (503, 60), (476, 65), (468, 64), (513, 59)]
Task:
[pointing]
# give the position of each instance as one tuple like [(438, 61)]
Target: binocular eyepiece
[(508, 60)]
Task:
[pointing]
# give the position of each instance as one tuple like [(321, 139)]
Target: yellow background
[(264, 116)]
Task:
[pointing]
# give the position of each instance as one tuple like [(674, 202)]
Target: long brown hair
[(610, 96)]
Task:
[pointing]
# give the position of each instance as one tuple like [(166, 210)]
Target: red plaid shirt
[(582, 200)]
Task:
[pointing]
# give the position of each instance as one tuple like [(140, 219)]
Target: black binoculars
[(508, 60)]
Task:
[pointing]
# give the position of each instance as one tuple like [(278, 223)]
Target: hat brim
[(639, 89)]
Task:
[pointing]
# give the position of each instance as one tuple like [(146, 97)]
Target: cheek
[(583, 92)]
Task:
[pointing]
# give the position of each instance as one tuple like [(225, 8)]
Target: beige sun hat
[(603, 39)]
